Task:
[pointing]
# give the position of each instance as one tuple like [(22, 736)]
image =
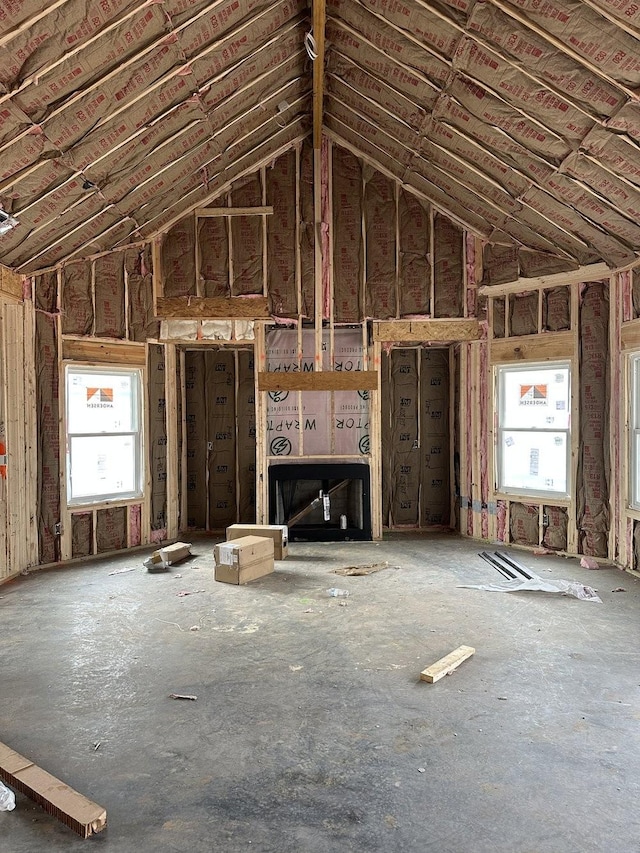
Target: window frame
[(138, 420), (550, 496)]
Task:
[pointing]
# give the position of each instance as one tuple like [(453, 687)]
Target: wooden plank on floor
[(56, 798), (446, 664)]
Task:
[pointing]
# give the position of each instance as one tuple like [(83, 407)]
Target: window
[(534, 422), (634, 430), (104, 440)]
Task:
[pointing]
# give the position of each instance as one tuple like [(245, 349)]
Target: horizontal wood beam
[(590, 272), (325, 380), (550, 346), (213, 308), (630, 335), (207, 212), (426, 330), (107, 353)]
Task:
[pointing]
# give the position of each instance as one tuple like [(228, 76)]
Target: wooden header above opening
[(550, 346), (326, 380), (118, 352), (212, 308), (462, 329), (204, 212)]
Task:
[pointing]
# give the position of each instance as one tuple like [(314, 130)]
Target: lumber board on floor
[(56, 798), (446, 664)]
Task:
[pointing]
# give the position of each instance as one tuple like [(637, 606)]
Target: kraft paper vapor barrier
[(156, 401), (220, 438), (415, 425)]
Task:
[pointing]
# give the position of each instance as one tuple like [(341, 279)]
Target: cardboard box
[(278, 532), (243, 559)]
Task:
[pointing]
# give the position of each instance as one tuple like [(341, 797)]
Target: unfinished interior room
[(320, 381)]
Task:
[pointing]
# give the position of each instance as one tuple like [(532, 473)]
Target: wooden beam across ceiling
[(319, 24)]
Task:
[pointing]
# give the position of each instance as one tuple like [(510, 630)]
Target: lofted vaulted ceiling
[(519, 119)]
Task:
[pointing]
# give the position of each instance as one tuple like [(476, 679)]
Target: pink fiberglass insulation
[(501, 515), (135, 525), (158, 535)]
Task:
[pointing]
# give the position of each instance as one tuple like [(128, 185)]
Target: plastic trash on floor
[(536, 584)]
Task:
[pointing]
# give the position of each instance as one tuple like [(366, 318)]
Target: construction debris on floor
[(360, 571), (168, 556), (521, 579), (56, 798), (447, 664)]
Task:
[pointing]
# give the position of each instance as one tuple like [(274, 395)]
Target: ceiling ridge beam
[(319, 27)]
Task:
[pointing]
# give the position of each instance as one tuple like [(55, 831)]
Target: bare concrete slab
[(311, 730)]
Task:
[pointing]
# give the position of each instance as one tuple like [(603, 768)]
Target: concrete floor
[(311, 727)]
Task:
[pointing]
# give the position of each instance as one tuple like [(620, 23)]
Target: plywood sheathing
[(593, 513)]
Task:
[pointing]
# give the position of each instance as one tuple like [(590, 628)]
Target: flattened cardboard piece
[(415, 267), (281, 236), (213, 249), (448, 268), (47, 377), (109, 296), (593, 460), (111, 529), (523, 524), (178, 259), (196, 418), (156, 401), (246, 446), (523, 314), (77, 302), (499, 264), (278, 532), (246, 238), (138, 266), (81, 534), (556, 309), (380, 222), (348, 251), (221, 437), (435, 497), (555, 532)]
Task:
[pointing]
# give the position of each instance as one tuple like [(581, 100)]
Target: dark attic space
[(290, 288)]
